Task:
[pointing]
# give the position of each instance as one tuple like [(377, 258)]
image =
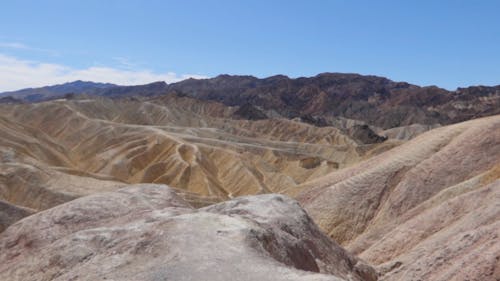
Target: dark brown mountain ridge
[(375, 100), (322, 99)]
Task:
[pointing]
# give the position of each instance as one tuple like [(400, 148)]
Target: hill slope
[(428, 209)]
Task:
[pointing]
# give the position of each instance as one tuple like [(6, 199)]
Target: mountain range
[(333, 177), (320, 100)]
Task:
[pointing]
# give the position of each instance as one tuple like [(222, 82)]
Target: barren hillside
[(428, 209), (58, 150)]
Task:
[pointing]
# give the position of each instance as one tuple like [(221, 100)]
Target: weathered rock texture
[(147, 232), (426, 210)]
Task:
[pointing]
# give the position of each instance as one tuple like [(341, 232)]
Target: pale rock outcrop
[(147, 232)]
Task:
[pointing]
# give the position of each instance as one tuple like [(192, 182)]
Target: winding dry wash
[(333, 177)]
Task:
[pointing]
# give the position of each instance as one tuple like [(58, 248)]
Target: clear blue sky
[(445, 43)]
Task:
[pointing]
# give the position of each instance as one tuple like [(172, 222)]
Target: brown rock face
[(147, 232), (365, 135), (426, 210)]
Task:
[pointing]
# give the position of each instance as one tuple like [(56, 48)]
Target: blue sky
[(444, 43)]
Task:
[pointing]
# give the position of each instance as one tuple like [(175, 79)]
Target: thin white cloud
[(125, 63), (18, 74), (23, 47)]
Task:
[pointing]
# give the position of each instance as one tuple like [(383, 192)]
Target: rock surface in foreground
[(147, 232)]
